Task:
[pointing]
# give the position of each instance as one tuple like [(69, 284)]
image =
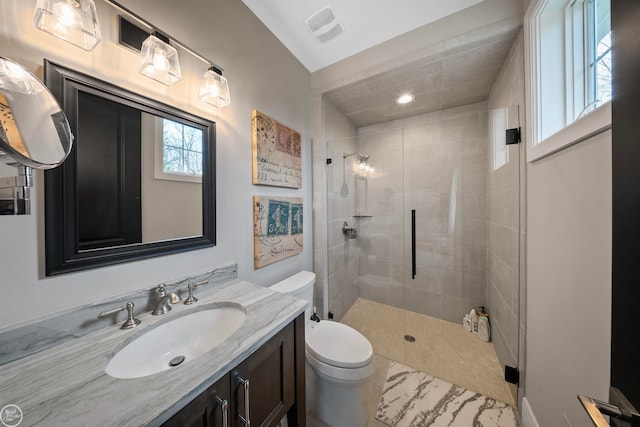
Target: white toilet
[(339, 362)]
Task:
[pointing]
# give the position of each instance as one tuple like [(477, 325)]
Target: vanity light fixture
[(74, 21), (214, 89), (160, 60), (405, 99), (160, 57)]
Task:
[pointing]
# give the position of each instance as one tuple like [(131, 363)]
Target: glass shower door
[(365, 223)]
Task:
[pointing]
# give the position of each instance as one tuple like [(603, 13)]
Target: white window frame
[(569, 96), (159, 172)]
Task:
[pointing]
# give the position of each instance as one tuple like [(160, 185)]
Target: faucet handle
[(191, 299), (131, 321), (161, 290)]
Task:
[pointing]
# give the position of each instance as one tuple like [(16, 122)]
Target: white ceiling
[(365, 24)]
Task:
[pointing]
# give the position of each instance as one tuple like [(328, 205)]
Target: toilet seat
[(337, 345)]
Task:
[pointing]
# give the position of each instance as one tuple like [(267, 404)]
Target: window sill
[(590, 125)]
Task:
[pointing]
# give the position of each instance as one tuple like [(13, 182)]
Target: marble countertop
[(67, 385)]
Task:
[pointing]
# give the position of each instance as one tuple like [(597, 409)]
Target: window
[(179, 151), (600, 47), (569, 65)]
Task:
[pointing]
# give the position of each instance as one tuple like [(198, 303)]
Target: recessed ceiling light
[(405, 99)]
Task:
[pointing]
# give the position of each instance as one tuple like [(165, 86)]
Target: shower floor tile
[(442, 349)]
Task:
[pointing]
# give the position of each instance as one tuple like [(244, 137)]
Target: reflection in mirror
[(34, 131), (139, 181)]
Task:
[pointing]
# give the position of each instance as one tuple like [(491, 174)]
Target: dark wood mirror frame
[(62, 251)]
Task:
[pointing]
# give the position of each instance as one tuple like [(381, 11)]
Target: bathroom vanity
[(255, 376), (262, 389)]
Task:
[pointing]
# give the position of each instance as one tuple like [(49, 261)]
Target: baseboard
[(528, 419)]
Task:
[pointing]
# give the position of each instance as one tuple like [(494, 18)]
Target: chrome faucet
[(163, 304), (191, 299), (131, 321)]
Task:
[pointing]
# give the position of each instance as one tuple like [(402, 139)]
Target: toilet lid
[(338, 345)]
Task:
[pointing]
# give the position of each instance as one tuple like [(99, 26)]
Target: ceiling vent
[(323, 25)]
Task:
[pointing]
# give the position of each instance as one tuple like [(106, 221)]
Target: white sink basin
[(176, 342)]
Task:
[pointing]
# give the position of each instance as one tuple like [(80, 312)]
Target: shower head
[(361, 157)]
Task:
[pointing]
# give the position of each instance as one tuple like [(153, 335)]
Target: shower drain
[(410, 338)]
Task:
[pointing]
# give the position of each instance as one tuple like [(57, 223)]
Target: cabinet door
[(206, 410), (192, 415), (270, 372)]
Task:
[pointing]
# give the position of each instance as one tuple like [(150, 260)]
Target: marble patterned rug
[(412, 398)]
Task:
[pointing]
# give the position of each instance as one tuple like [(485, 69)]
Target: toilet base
[(335, 402)]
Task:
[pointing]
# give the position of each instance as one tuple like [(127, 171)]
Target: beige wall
[(262, 75), (568, 334)]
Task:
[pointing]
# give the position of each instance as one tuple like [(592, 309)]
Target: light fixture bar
[(150, 27)]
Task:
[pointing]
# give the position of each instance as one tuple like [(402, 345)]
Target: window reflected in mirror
[(181, 149)]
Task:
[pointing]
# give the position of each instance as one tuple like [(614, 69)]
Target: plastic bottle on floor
[(484, 328), (474, 320)]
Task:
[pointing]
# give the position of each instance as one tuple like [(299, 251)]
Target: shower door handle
[(413, 244)]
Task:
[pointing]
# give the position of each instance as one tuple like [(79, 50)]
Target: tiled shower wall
[(506, 221), (436, 164), (343, 254)]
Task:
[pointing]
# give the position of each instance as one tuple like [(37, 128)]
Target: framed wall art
[(276, 153), (277, 228)]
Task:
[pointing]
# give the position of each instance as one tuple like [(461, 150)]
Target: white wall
[(262, 75), (568, 281)]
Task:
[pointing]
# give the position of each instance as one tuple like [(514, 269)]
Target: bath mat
[(412, 398)]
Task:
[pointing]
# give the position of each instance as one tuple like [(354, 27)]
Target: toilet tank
[(299, 285)]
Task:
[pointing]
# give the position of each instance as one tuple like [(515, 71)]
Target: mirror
[(139, 182), (34, 131)]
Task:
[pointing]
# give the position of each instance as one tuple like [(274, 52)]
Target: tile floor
[(442, 349)]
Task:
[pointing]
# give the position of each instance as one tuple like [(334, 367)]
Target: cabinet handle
[(224, 404), (245, 419)]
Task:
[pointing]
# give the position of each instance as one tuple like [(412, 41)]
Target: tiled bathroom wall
[(343, 253)]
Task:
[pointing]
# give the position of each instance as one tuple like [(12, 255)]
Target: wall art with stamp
[(277, 228), (276, 153)]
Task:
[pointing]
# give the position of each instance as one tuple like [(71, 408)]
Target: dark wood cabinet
[(264, 388), (207, 410)]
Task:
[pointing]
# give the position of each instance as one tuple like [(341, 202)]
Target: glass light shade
[(160, 61), (214, 89), (363, 168), (74, 21), (16, 79)]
